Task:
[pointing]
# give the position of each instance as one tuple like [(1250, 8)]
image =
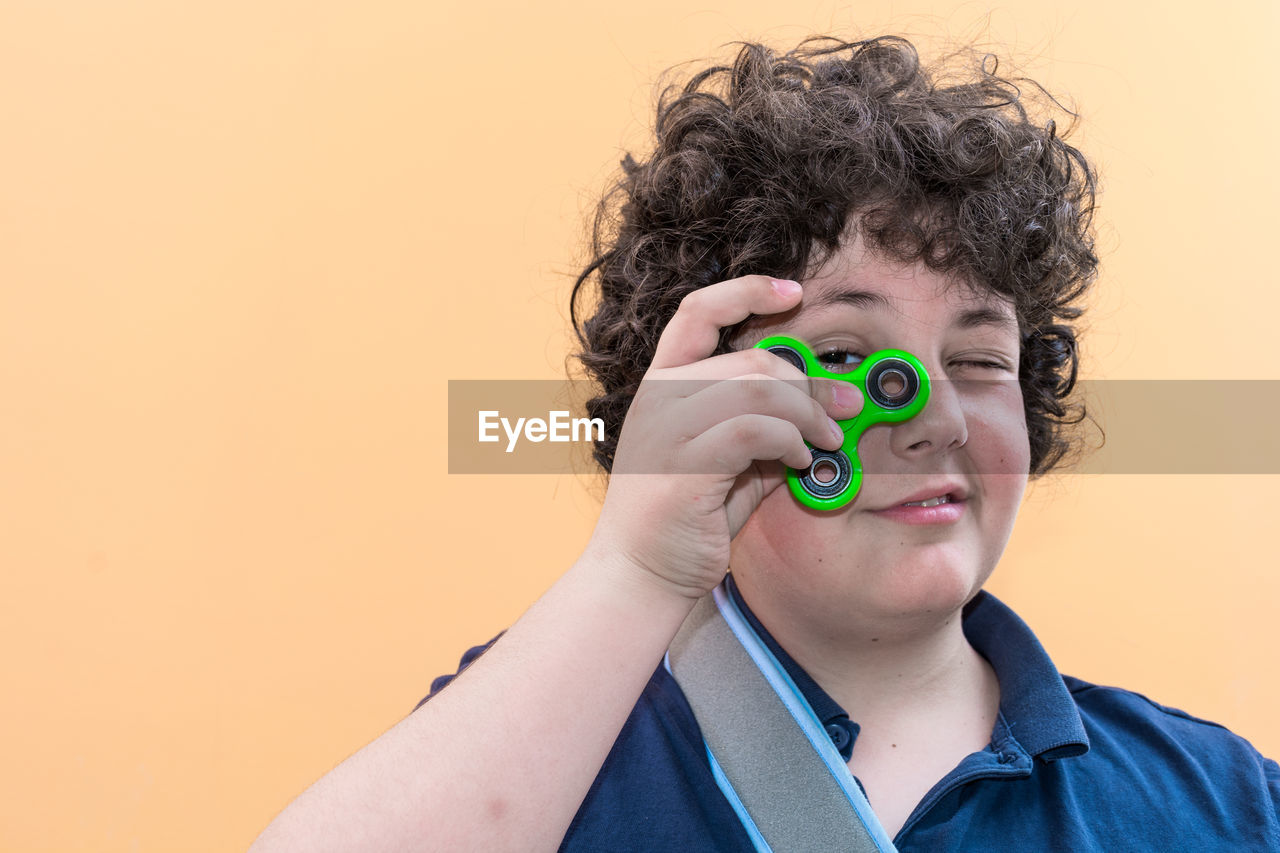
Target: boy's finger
[(731, 446), (758, 394), (694, 330), (841, 400)]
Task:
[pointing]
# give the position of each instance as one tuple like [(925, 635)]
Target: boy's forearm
[(502, 758)]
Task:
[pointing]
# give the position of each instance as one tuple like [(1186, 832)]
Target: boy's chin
[(936, 593), (888, 599)]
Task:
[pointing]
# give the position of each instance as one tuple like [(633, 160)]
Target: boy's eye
[(839, 360), (980, 364)]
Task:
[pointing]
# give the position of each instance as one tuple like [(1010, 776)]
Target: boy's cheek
[(785, 530)]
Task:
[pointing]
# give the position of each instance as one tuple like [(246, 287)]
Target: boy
[(841, 196)]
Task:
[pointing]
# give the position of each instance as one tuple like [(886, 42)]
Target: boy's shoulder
[(1127, 723)]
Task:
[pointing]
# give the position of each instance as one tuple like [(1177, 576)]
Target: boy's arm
[(502, 758)]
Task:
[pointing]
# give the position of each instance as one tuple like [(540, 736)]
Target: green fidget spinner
[(895, 388)]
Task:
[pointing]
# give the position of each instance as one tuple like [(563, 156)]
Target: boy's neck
[(886, 672)]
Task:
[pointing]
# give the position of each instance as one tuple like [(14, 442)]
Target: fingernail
[(785, 287), (845, 395), (836, 430)]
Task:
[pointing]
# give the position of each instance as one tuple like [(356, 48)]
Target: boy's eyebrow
[(856, 298), (975, 317)]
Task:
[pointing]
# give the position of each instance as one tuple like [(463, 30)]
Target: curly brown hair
[(763, 166)]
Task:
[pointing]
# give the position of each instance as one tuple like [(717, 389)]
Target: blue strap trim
[(726, 788), (800, 711)]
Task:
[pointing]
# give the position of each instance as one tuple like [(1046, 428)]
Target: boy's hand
[(696, 456)]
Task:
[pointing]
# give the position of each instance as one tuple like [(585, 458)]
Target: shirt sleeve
[(471, 656), (1272, 771)]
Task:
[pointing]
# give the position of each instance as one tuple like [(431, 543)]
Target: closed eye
[(982, 368)]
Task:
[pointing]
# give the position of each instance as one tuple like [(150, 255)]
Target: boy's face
[(879, 563)]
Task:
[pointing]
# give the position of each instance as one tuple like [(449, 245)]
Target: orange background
[(245, 245)]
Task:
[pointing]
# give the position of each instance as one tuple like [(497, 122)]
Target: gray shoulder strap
[(789, 793)]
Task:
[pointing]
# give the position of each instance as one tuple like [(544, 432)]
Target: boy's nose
[(941, 426)]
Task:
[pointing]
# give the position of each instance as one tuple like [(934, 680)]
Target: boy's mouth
[(946, 505), (937, 501)]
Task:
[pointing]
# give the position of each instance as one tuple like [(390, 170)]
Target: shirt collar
[(1036, 706), (1034, 700)]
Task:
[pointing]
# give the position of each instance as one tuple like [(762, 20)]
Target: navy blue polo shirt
[(1071, 766)]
